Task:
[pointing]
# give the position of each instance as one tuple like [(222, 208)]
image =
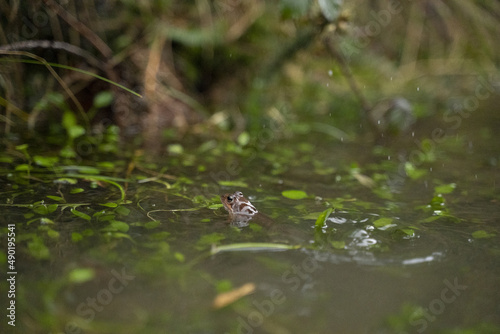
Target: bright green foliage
[(338, 244), (236, 183), (44, 209), (80, 214), (445, 188), (381, 222), (321, 220), (413, 172), (103, 99), (45, 161), (294, 194), (482, 234), (81, 275)]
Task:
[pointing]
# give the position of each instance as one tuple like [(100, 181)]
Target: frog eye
[(229, 198)]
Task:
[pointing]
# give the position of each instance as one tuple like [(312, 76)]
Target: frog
[(241, 210)]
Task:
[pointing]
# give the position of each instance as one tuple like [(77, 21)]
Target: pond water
[(411, 246)]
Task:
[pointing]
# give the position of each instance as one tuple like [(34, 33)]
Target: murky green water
[(393, 257)]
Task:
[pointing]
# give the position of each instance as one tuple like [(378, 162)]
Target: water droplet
[(418, 89), (342, 139), (327, 84), (388, 157), (378, 122), (330, 73), (430, 169), (413, 133)]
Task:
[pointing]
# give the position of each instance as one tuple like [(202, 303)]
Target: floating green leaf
[(413, 172), (381, 222), (240, 184), (118, 235), (80, 214), (482, 234), (294, 194), (43, 209), (119, 226), (55, 198), (110, 204), (338, 244), (320, 222), (445, 188), (312, 215), (408, 231), (437, 202), (431, 219), (121, 210), (215, 206)]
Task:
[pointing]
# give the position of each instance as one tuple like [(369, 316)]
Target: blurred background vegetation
[(227, 68)]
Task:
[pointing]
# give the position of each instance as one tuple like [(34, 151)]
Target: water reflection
[(367, 258)]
